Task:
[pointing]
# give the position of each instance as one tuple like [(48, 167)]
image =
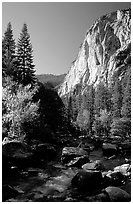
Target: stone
[(16, 152), (109, 149), (78, 161), (117, 194), (114, 179), (124, 169), (96, 165), (69, 153), (45, 151), (101, 197), (87, 180), (125, 147), (127, 187), (8, 192)]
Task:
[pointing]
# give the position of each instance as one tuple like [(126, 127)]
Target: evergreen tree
[(126, 103), (74, 108), (117, 98), (8, 52), (26, 72), (102, 99), (69, 108), (90, 106)]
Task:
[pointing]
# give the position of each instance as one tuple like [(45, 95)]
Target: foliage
[(83, 120), (20, 113), (126, 103), (8, 53), (26, 72), (121, 126), (117, 98), (102, 98), (51, 111), (102, 123)]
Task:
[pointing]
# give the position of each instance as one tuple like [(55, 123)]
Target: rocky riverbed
[(72, 177)]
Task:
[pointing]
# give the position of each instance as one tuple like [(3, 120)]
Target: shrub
[(102, 123), (121, 126), (20, 113)]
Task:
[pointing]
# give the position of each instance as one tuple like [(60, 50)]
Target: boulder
[(87, 180), (16, 152), (96, 165), (69, 153), (127, 187), (8, 192), (45, 151), (117, 194), (124, 169), (125, 147), (78, 161), (109, 149), (101, 197), (114, 179)]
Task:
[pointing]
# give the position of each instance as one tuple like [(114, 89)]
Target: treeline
[(50, 79), (105, 109), (30, 110)]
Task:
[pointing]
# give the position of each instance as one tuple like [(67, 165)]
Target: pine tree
[(26, 72), (69, 108), (126, 103), (102, 99), (90, 106), (8, 52), (117, 98)]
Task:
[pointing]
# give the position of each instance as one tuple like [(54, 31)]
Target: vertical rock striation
[(97, 57)]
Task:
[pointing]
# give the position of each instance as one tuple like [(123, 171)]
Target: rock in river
[(96, 165), (45, 151), (87, 180), (18, 153), (109, 149), (78, 161), (69, 153), (117, 194), (124, 169)]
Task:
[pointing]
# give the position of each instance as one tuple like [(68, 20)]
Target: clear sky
[(56, 29)]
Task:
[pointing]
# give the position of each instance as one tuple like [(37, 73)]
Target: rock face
[(96, 60)]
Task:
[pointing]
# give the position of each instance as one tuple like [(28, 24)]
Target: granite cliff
[(104, 51)]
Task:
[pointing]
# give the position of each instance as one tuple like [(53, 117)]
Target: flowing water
[(51, 181)]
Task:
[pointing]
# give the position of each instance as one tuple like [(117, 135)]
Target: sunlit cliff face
[(96, 60)]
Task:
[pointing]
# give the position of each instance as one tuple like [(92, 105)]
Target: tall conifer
[(26, 71), (126, 105), (8, 52), (117, 98)]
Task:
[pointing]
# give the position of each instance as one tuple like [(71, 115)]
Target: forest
[(39, 127)]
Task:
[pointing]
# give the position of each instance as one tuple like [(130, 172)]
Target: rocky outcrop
[(98, 55)]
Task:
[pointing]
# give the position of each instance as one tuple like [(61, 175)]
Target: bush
[(121, 126), (102, 123), (20, 113)]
